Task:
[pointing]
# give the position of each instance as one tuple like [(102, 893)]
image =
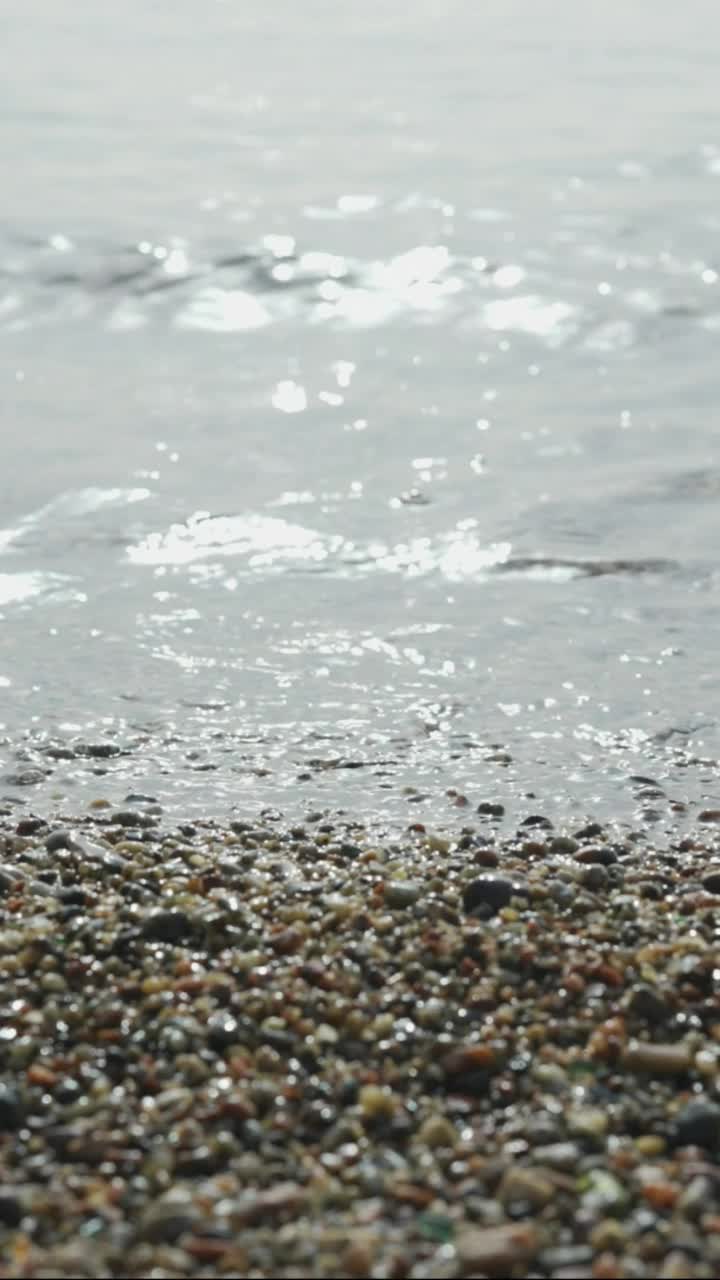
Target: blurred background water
[(359, 393)]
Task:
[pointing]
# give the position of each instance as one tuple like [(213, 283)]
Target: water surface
[(359, 406)]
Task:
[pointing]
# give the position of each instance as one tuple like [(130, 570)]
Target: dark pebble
[(30, 826), (488, 891), (72, 896), (590, 832), (597, 853), (711, 882), (131, 818), (200, 1163), (222, 1031), (167, 926), (537, 820), (698, 1125), (11, 1210), (12, 1111), (99, 750), (490, 810), (648, 1004), (68, 1091), (650, 890)]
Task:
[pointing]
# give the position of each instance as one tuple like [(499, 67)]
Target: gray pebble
[(594, 878), (61, 839), (26, 778), (167, 1220), (401, 893)]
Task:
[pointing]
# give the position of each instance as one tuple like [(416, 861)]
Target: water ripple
[(270, 544)]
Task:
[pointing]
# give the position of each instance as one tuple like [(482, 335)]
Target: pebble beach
[(250, 1048)]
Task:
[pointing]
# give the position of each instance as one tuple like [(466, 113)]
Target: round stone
[(491, 810), (167, 926), (488, 891), (401, 893), (698, 1125)]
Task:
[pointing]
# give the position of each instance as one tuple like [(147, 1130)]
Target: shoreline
[(256, 1048)]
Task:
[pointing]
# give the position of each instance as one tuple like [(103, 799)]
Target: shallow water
[(359, 376)]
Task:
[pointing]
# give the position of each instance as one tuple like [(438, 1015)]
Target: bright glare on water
[(359, 371)]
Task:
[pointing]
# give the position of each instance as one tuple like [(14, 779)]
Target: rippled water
[(359, 386)]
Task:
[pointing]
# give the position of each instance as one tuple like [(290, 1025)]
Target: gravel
[(257, 1049)]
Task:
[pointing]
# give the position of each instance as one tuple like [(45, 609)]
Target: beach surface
[(283, 1050)]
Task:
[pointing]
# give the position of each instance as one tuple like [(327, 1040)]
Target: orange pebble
[(38, 1074), (606, 1267), (661, 1195)]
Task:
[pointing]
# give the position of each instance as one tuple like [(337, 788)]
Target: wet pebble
[(167, 925), (401, 893), (648, 1004), (600, 854), (494, 892), (499, 1251), (491, 809), (698, 1124), (657, 1059)]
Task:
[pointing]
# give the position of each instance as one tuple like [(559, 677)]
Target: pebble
[(401, 893), (11, 1209), (594, 878), (648, 1004), (599, 854), (167, 925), (62, 839), (499, 1250), (657, 1059), (12, 1110), (711, 881), (222, 1031), (587, 1122), (698, 1124), (525, 1186), (437, 1131), (30, 826), (490, 809), (489, 891), (559, 1155), (169, 1218)]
